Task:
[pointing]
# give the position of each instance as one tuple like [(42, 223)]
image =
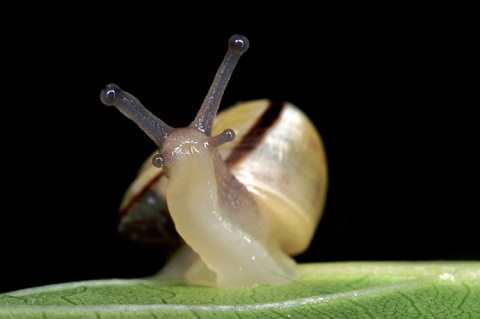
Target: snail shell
[(244, 189)]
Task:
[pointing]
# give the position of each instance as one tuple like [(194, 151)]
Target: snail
[(244, 189)]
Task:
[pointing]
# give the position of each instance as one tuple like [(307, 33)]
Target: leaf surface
[(324, 290)]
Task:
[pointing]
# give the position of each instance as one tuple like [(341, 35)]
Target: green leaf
[(324, 290)]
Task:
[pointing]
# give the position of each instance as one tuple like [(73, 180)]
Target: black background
[(393, 91)]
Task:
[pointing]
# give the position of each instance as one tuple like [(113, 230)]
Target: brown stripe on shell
[(256, 133), (140, 194)]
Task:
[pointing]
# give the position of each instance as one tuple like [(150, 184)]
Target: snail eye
[(158, 160)]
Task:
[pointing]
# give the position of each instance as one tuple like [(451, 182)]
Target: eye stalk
[(237, 45), (226, 136), (131, 107), (155, 128)]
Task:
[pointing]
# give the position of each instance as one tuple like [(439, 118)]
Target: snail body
[(244, 189)]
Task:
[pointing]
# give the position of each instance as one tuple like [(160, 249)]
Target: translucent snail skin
[(244, 190)]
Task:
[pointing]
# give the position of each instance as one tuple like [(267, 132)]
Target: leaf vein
[(412, 303), (365, 309), (464, 299)]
